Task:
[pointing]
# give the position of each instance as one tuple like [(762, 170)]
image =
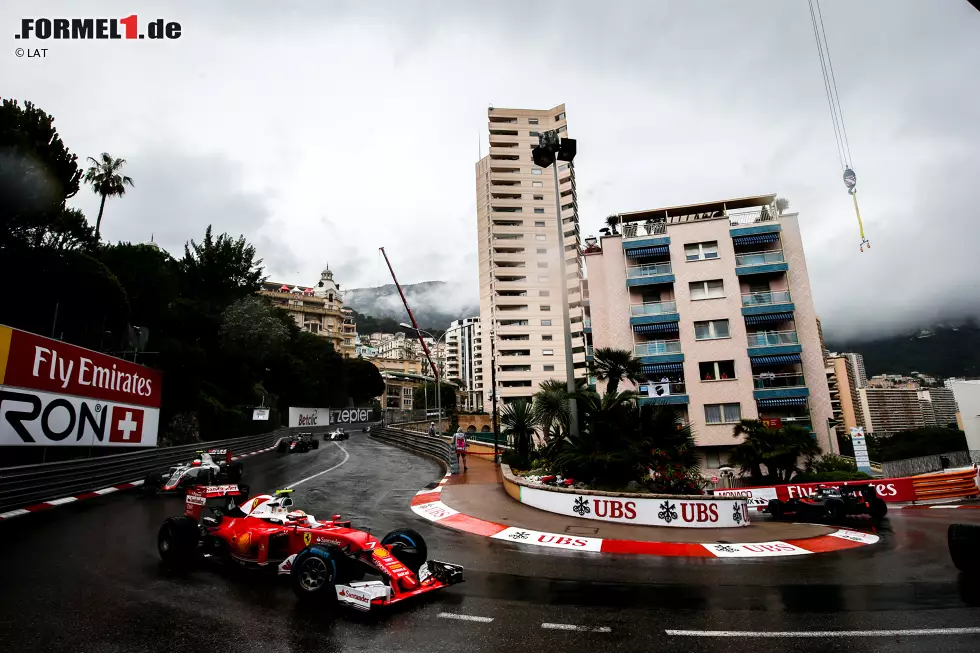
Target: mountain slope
[(434, 303), (941, 351)]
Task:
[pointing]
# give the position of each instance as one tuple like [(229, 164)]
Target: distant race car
[(210, 467), (324, 560), (338, 434), (832, 504), (300, 443)]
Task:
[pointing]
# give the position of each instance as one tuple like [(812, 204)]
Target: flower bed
[(644, 509)]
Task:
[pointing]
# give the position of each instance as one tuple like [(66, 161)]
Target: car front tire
[(964, 547), (178, 541), (315, 573), (408, 547)]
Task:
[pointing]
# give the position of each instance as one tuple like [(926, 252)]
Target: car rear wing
[(220, 452), (200, 497)]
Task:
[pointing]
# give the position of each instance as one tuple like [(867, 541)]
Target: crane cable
[(836, 113)]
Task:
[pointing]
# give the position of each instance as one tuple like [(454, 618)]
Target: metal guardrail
[(30, 484), (421, 444)]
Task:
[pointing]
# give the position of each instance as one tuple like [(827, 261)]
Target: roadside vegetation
[(222, 348)]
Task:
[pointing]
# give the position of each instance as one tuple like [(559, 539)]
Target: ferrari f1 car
[(300, 443), (337, 434), (325, 560), (208, 468), (832, 504)]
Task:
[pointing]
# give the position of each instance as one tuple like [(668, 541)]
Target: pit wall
[(671, 510)]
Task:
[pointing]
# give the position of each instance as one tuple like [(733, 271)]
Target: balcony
[(664, 393), (653, 313), (659, 351), (773, 343), (648, 275), (588, 324), (755, 216), (644, 230), (775, 301), (760, 263), (779, 386)]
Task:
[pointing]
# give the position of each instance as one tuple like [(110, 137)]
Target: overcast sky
[(324, 130)]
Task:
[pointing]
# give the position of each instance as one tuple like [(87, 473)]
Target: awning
[(756, 239), (781, 359), (657, 250), (785, 401), (768, 318), (662, 327), (660, 368)]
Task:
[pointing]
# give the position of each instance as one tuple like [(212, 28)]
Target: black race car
[(832, 504), (299, 443), (210, 467)]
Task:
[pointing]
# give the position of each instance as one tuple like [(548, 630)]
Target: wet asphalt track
[(87, 577)]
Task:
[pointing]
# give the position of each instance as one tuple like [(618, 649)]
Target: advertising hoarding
[(310, 417), (56, 394)]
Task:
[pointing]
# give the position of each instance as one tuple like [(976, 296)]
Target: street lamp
[(438, 371), (550, 150)]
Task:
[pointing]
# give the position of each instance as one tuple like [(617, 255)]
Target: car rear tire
[(408, 547), (877, 508), (834, 511), (315, 443), (775, 508), (178, 541), (964, 547), (316, 571), (282, 447)]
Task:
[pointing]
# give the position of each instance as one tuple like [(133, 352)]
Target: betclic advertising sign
[(56, 394)]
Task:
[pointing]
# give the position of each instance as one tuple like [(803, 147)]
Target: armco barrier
[(29, 484), (422, 444)]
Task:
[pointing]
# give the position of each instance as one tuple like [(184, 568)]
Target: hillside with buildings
[(942, 351), (434, 303)]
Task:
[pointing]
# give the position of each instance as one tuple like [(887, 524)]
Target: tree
[(781, 205), (364, 380), (779, 451), (105, 178), (447, 398), (612, 221), (220, 270), (251, 329), (38, 174), (927, 441), (614, 365), (517, 420), (551, 408)]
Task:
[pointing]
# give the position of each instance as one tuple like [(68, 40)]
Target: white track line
[(464, 617), (912, 632), (581, 629), (309, 478)]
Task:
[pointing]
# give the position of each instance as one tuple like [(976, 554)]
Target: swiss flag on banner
[(127, 425)]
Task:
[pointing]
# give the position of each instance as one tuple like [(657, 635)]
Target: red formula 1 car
[(324, 560)]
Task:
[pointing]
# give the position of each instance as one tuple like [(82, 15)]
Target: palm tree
[(779, 450), (519, 422), (106, 181), (781, 205), (614, 365), (612, 222)]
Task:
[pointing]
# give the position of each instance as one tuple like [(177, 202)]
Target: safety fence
[(425, 445), (29, 484), (927, 464), (951, 485)]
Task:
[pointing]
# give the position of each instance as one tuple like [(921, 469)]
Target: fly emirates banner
[(56, 394)]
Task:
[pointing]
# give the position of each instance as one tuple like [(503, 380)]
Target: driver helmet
[(296, 515)]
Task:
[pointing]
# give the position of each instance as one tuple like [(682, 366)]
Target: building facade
[(967, 394), (520, 256), (464, 360), (714, 299), (890, 410), (851, 414), (317, 309), (857, 364), (938, 406)]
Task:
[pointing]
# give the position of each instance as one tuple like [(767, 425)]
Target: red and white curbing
[(53, 503), (428, 504)]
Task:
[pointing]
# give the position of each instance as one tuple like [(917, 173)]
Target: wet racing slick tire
[(964, 547), (406, 546), (316, 445), (283, 446), (834, 511), (178, 541), (877, 508), (775, 508), (316, 570), (152, 483)]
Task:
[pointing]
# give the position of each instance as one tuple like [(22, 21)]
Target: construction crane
[(415, 325)]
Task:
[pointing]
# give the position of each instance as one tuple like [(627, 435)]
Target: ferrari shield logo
[(307, 538), (381, 553)]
